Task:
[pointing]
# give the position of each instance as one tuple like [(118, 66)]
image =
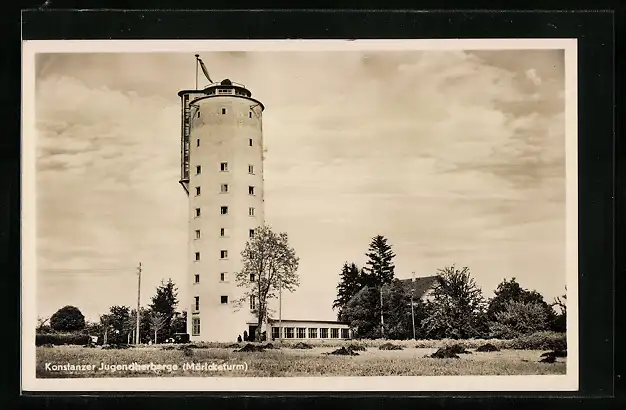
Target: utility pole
[(412, 309), (382, 322), (138, 301), (280, 310)]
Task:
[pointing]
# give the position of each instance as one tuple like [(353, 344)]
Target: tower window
[(196, 278), (252, 277), (224, 166), (250, 114), (198, 114), (224, 210), (197, 256), (197, 191), (197, 233), (250, 190), (223, 111), (223, 277), (251, 211), (250, 141), (224, 299), (224, 188), (250, 169), (197, 303), (251, 233), (197, 212), (252, 302), (198, 142), (222, 232), (195, 326), (198, 169), (223, 254)]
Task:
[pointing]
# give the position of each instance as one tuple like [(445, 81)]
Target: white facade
[(222, 171)]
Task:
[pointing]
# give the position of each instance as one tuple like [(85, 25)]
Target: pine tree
[(350, 283), (379, 270)]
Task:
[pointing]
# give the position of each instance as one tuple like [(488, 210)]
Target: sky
[(456, 157)]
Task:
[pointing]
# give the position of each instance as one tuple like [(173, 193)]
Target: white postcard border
[(567, 382)]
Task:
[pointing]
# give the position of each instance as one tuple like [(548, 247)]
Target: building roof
[(420, 285)]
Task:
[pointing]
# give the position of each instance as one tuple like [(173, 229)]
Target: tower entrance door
[(252, 333)]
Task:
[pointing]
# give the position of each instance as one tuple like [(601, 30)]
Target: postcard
[(299, 215)]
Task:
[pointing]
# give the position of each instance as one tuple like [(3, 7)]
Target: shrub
[(61, 339), (519, 319), (67, 319), (539, 341)]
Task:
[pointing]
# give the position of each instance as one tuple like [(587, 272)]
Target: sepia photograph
[(299, 215)]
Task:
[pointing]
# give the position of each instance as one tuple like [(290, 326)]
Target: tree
[(67, 319), (362, 312), (179, 322), (457, 308), (42, 326), (351, 281), (379, 269), (269, 264), (509, 291), (157, 321), (518, 319), (559, 324), (397, 308), (115, 324), (165, 302)]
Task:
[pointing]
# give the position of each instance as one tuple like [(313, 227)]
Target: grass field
[(288, 362)]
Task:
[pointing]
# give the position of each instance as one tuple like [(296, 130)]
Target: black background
[(596, 177)]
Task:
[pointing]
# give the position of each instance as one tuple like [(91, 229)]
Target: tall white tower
[(222, 174)]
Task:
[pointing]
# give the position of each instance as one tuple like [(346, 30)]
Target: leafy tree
[(115, 324), (157, 321), (93, 328), (363, 313), (350, 283), (179, 322), (457, 308), (67, 319), (164, 302), (144, 325), (379, 269), (518, 319), (559, 323), (269, 264), (397, 308), (508, 291)]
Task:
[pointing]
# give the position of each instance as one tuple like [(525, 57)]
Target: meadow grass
[(288, 362)]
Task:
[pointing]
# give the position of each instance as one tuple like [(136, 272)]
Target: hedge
[(61, 339)]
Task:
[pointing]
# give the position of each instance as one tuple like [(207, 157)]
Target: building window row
[(224, 189), (223, 166), (301, 333), (223, 277), (223, 211), (198, 233)]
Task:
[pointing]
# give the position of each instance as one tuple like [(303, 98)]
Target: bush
[(61, 339), (67, 319), (540, 341), (519, 319)]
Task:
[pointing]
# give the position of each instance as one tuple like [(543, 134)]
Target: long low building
[(308, 330)]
